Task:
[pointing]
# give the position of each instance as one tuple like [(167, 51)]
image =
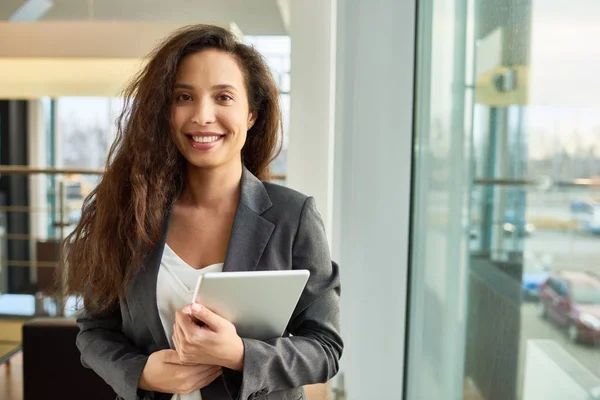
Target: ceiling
[(92, 47), (253, 17)]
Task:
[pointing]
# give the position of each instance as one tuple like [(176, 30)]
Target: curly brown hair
[(124, 216)]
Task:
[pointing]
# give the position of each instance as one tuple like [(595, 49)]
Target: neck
[(212, 187)]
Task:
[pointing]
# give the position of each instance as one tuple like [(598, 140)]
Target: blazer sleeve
[(311, 355), (107, 351)]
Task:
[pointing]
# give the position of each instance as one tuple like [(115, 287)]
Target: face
[(210, 116)]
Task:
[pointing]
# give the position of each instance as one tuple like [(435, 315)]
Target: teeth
[(205, 139)]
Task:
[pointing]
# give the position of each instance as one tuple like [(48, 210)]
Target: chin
[(211, 161), (209, 164), (202, 160)]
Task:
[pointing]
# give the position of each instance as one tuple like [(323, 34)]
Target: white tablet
[(259, 303)]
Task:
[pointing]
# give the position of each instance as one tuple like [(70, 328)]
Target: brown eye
[(224, 98), (183, 97)]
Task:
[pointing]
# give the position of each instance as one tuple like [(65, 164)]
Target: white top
[(174, 289)]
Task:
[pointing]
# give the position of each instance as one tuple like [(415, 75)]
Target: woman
[(183, 193)]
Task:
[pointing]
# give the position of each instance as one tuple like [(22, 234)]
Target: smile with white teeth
[(205, 139)]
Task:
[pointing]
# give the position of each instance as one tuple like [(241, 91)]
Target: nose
[(204, 112)]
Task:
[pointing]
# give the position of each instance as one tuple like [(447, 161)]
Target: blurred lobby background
[(452, 146)]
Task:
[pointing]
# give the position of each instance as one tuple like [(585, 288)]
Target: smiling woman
[(186, 191), (210, 116)]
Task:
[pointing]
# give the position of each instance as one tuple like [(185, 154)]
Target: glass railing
[(33, 228)]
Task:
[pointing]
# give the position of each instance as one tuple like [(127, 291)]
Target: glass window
[(86, 128), (276, 50), (506, 178)]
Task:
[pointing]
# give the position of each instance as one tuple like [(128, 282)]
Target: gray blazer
[(275, 228)]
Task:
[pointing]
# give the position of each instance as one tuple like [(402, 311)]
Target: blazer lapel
[(250, 232), (143, 290)]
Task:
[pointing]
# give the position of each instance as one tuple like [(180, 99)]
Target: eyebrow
[(221, 86)]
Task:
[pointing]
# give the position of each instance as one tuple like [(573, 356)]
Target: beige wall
[(74, 58)]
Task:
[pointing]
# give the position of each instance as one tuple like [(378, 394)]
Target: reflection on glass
[(586, 294), (507, 202)]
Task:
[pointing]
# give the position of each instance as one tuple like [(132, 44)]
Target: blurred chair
[(52, 366), (47, 253)]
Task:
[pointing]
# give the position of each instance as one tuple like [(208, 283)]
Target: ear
[(251, 119)]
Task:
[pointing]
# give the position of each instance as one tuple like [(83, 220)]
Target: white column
[(37, 149), (373, 149), (356, 162), (312, 89)]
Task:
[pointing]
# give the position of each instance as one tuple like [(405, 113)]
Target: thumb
[(205, 315)]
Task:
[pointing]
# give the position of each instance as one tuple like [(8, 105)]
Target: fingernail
[(196, 307)]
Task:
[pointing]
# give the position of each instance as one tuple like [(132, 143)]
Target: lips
[(204, 140), (202, 136)]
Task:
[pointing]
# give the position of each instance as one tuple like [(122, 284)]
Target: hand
[(215, 343), (164, 372)]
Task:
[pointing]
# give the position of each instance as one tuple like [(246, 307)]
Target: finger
[(182, 335), (181, 313), (186, 333), (182, 318), (196, 321), (171, 357), (205, 380), (183, 341), (175, 338), (178, 333), (186, 327), (205, 368), (218, 372), (214, 321)]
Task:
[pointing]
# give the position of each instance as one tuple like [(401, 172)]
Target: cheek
[(235, 119), (241, 139)]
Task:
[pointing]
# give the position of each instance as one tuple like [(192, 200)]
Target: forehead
[(210, 67)]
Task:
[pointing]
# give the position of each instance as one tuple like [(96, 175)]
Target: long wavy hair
[(124, 217)]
